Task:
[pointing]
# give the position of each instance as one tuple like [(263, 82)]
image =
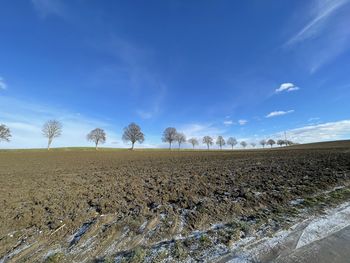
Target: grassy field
[(75, 204)]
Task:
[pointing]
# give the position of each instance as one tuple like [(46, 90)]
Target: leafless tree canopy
[(253, 144), (263, 143), (132, 133), (271, 142), (220, 141), (52, 129), (232, 141), (208, 141), (169, 135), (180, 138), (244, 144), (193, 141), (280, 142), (5, 133), (97, 136)]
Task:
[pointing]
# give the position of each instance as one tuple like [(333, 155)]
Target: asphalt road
[(332, 249)]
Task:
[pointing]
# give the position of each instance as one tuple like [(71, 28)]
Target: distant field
[(78, 203), (330, 144)]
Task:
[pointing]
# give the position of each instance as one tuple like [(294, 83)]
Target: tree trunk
[(208, 146), (48, 144), (179, 146), (169, 145), (132, 145), (96, 146)]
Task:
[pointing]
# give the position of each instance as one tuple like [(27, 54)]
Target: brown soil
[(84, 205)]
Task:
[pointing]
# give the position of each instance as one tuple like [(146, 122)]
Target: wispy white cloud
[(287, 87), (322, 10), (2, 84), (319, 132), (278, 113), (242, 122), (46, 8), (313, 119), (326, 34)]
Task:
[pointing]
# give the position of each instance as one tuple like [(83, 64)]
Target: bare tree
[(271, 142), (169, 135), (133, 133), (5, 133), (243, 144), (220, 141), (263, 143), (253, 144), (232, 141), (180, 138), (208, 141), (280, 142), (193, 141), (97, 136), (51, 129)]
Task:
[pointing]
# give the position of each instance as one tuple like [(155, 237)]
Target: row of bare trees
[(53, 129), (171, 135), (132, 133)]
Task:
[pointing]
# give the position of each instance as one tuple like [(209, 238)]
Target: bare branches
[(169, 135), (97, 136), (132, 133), (220, 141), (193, 141), (244, 144), (232, 141), (5, 133), (263, 143), (271, 142), (52, 129), (208, 141), (180, 138)]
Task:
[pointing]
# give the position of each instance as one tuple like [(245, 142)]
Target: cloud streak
[(325, 9), (326, 34), (3, 85), (278, 113), (242, 122)]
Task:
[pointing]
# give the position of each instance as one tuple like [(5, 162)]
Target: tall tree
[(133, 133), (208, 141), (97, 136), (180, 138), (243, 144), (193, 141), (169, 135), (220, 141), (253, 144), (5, 133), (232, 141), (271, 142), (51, 129), (263, 143)]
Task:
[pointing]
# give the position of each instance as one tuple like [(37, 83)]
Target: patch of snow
[(297, 201)]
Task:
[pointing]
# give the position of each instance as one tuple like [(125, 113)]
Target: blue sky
[(247, 69)]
